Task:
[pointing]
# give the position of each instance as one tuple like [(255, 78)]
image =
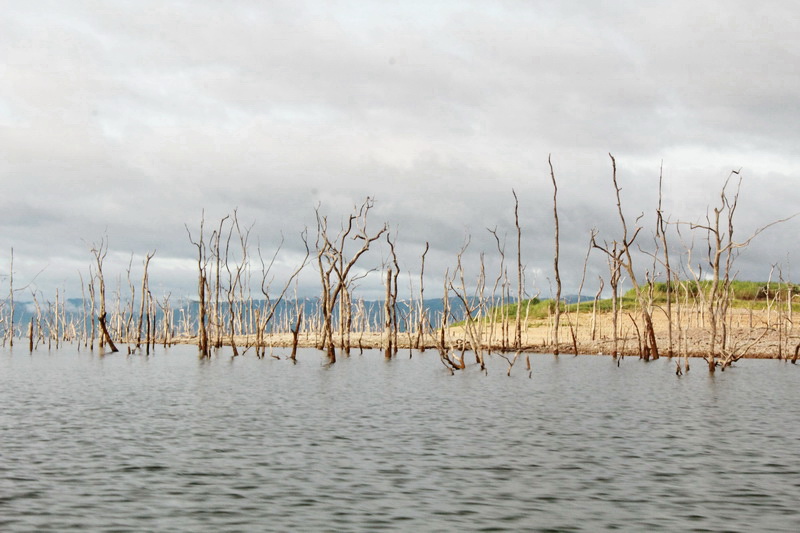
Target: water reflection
[(176, 443)]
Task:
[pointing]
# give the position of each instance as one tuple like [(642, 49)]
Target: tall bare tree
[(520, 282), (10, 330), (421, 310), (721, 252), (202, 285), (625, 260), (390, 323), (100, 250), (661, 234), (335, 264), (145, 294), (555, 259), (270, 306)]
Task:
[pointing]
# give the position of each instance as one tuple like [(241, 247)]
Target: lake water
[(173, 443)]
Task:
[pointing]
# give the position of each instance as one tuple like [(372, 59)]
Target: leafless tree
[(236, 273), (600, 286), (333, 260), (555, 260), (473, 306), (144, 303), (270, 306), (422, 318), (390, 321), (10, 330), (661, 234), (625, 260), (499, 307), (100, 250), (202, 284), (721, 252), (520, 281)]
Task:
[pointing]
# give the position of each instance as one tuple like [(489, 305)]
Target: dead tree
[(387, 324), (499, 308), (296, 330), (92, 307), (236, 272), (99, 251), (166, 312), (345, 318), (555, 260), (613, 257), (391, 323), (661, 233), (268, 310), (580, 299), (216, 319), (520, 282), (421, 310), (202, 284), (56, 336), (10, 331), (594, 307), (721, 250), (333, 260), (450, 361), (145, 292), (625, 260), (473, 307)]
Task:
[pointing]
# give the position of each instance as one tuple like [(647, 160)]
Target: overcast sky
[(129, 118)]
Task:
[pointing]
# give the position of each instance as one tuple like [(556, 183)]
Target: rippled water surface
[(173, 443)]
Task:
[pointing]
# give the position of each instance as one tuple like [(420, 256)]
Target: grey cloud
[(132, 118)]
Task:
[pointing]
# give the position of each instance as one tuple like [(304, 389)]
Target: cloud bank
[(131, 119)]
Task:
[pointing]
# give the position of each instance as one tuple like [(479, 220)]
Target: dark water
[(172, 443)]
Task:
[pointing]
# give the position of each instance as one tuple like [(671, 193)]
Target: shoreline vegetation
[(684, 301)]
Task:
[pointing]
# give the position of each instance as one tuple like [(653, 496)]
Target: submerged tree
[(555, 259), (202, 284), (335, 265), (623, 259), (721, 252), (100, 250)]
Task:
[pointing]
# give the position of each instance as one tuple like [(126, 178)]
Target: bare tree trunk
[(627, 263), (502, 309), (388, 348), (55, 322), (202, 283), (557, 317), (615, 275), (580, 298), (420, 344), (145, 290), (520, 283), (92, 308), (661, 232), (473, 310), (721, 244), (11, 301), (99, 251), (594, 308), (331, 259), (295, 333)]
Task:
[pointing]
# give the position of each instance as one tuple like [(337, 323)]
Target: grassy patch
[(745, 294)]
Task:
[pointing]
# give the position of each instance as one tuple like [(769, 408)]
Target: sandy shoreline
[(756, 331)]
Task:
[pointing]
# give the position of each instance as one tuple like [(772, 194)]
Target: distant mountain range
[(186, 311)]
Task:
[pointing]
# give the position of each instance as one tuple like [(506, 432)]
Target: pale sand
[(762, 340)]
